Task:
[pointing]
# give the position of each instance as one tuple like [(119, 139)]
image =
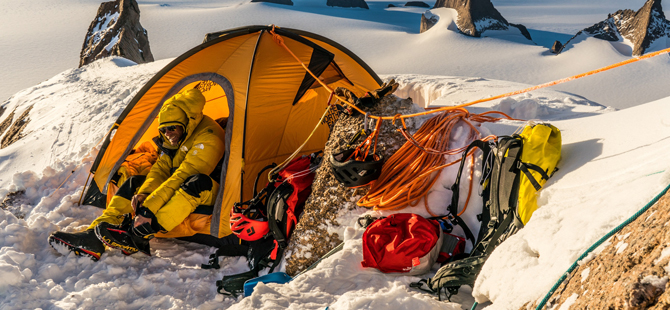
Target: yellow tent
[(271, 102)]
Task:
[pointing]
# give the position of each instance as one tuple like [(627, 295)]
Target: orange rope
[(278, 39), (410, 173)]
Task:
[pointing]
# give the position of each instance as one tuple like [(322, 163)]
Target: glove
[(386, 89), (373, 97), (350, 97), (347, 94)]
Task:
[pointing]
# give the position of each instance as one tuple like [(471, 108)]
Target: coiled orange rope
[(411, 172)]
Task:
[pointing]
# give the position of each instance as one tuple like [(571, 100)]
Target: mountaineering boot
[(83, 243), (123, 236), (119, 237)]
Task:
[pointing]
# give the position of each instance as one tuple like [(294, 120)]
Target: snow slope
[(37, 43), (613, 161)]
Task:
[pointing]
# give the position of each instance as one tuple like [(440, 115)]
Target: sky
[(615, 129)]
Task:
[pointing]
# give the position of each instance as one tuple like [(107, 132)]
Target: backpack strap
[(453, 207), (276, 211), (524, 168)]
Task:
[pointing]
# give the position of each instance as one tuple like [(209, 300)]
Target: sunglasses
[(168, 128)]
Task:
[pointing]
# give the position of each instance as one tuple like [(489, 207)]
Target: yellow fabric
[(176, 216), (114, 212), (193, 224), (199, 152), (170, 114), (177, 213), (139, 162), (231, 59), (541, 147)]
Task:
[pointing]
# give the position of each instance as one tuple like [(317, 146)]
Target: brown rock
[(630, 273), (329, 198), (348, 3), (15, 132), (641, 28), (428, 21), (477, 16), (116, 31), (557, 47), (8, 121)]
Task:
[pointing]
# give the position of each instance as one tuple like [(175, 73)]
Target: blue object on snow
[(275, 277)]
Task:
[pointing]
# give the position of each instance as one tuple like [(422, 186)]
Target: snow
[(659, 283), (615, 128)]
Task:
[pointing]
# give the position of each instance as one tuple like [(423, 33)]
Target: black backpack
[(271, 203), (502, 172)]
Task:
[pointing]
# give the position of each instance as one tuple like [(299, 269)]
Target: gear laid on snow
[(354, 173), (355, 167), (514, 169), (267, 221), (83, 243)]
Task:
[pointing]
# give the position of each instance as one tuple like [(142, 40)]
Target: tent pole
[(84, 189)]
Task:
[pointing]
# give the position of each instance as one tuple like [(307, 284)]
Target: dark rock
[(428, 21), (641, 28), (420, 4), (523, 30), (477, 16), (391, 6), (557, 47), (348, 3), (116, 31), (311, 239), (287, 2), (7, 122), (15, 132)]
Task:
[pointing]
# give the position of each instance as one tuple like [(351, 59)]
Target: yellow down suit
[(178, 182)]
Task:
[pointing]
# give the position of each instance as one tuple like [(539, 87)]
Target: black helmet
[(355, 173)]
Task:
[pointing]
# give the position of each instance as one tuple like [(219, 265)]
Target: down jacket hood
[(185, 109)]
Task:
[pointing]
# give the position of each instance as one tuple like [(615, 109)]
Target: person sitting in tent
[(191, 145)]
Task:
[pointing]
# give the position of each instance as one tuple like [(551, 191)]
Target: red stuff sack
[(402, 243)]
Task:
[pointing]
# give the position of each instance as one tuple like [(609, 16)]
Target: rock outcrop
[(630, 273), (286, 2), (557, 47), (348, 3), (641, 28), (6, 122), (477, 16), (420, 4), (428, 20), (15, 132), (116, 31), (329, 199)]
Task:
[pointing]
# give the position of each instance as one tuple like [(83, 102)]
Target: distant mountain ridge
[(477, 16), (642, 28)]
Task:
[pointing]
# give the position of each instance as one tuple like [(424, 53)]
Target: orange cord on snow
[(410, 173)]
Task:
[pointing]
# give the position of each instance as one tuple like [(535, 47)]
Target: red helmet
[(248, 224)]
